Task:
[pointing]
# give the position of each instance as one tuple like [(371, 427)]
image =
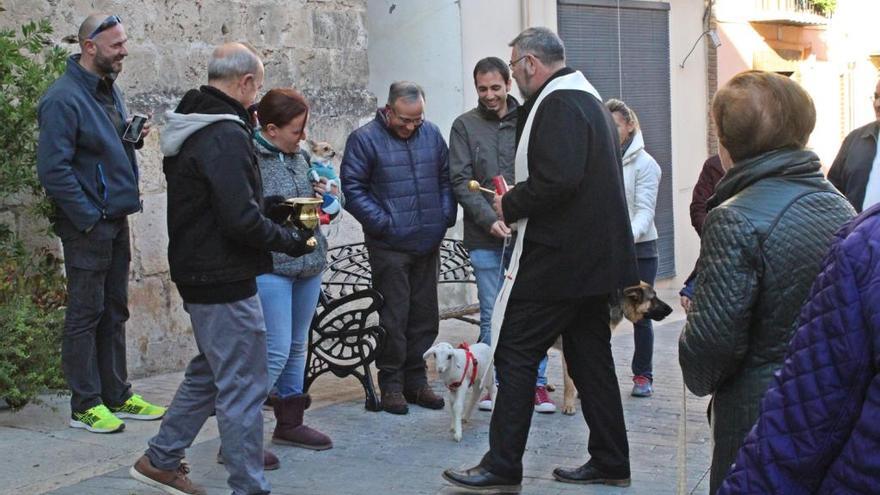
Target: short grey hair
[(408, 91), (229, 62), (541, 42)]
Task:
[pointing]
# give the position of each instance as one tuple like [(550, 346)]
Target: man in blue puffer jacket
[(818, 431), (396, 179)]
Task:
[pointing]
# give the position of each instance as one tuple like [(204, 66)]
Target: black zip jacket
[(852, 166), (218, 238)]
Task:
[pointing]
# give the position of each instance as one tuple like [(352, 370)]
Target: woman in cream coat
[(641, 176)]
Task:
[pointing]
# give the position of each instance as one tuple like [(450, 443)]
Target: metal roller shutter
[(589, 29)]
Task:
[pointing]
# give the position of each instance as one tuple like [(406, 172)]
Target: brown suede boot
[(424, 396), (270, 460), (290, 430)]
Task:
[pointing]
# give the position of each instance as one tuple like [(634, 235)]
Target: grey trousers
[(228, 376)]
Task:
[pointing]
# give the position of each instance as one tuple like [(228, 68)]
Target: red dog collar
[(470, 362)]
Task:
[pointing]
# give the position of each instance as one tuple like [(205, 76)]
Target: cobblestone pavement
[(376, 453)]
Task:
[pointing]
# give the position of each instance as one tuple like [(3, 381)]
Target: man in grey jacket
[(90, 173), (482, 145)]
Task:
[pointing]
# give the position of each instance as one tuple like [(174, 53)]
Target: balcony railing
[(795, 12), (790, 6)]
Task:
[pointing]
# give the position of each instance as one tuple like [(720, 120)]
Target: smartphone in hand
[(133, 131)]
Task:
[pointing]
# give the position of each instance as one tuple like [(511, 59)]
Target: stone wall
[(317, 46)]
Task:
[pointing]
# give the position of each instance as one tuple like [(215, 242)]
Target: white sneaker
[(543, 402), (485, 403)]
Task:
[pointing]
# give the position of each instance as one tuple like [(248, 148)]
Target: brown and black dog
[(633, 303)]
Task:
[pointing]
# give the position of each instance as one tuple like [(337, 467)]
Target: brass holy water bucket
[(305, 215)]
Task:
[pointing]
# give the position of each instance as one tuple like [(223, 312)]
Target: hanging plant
[(826, 7)]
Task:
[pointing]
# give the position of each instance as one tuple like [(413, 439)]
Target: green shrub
[(29, 63), (31, 285), (32, 294)]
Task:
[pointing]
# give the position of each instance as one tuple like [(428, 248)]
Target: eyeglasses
[(107, 24), (407, 121), (514, 62)]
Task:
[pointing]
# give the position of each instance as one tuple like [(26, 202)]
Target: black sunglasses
[(107, 24)]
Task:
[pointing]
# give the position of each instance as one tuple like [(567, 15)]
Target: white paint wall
[(689, 126), (488, 26), (418, 40), (486, 30)]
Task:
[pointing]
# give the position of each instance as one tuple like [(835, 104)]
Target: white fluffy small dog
[(463, 370)]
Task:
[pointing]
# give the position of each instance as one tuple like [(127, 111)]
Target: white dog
[(462, 370)]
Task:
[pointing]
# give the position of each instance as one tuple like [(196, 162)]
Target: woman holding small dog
[(641, 180), (289, 294), (771, 221)]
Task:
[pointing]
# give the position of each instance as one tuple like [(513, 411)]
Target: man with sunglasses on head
[(90, 173), (396, 180)]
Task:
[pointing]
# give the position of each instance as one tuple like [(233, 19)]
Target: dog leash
[(469, 358)]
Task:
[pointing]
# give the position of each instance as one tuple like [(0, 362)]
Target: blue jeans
[(488, 268), (288, 307), (643, 331)]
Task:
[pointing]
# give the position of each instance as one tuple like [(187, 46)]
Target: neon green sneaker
[(137, 408), (98, 419)]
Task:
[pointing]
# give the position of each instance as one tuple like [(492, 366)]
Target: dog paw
[(457, 437), (569, 410)]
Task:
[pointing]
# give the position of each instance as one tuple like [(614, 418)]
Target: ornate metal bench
[(346, 336)]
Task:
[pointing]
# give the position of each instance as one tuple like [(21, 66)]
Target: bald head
[(89, 25), (231, 61), (236, 69), (102, 43)]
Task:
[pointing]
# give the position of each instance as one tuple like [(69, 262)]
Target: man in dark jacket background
[(482, 145), (396, 179), (856, 169), (90, 174), (219, 241), (577, 249), (710, 173)]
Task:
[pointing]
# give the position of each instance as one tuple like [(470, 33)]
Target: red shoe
[(543, 402), (642, 386)]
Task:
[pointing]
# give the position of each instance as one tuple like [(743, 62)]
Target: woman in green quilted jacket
[(771, 222)]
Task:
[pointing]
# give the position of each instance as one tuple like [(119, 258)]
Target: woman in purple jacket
[(819, 428)]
